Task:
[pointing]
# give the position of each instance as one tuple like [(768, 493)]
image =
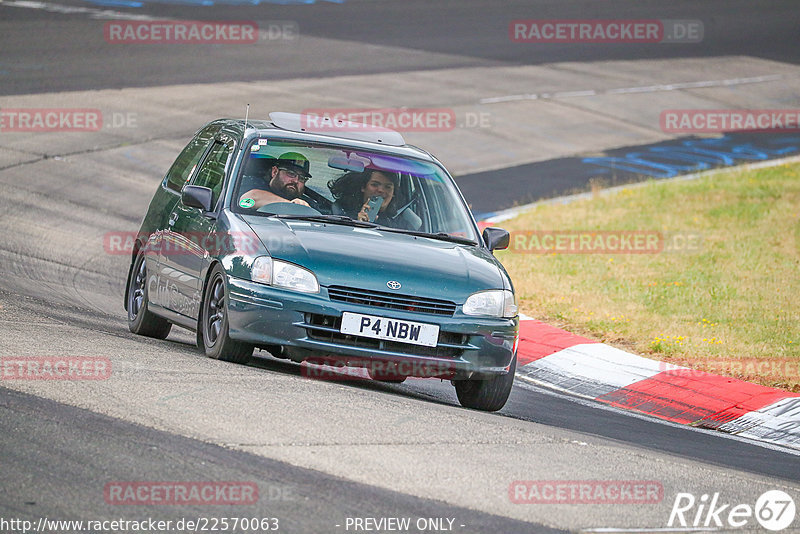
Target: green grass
[(733, 298)]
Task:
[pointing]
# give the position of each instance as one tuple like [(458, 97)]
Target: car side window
[(187, 160), (212, 171)]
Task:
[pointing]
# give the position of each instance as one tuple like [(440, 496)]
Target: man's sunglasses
[(294, 174)]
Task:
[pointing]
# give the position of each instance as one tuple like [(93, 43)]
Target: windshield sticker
[(263, 141), (247, 203), (254, 148)]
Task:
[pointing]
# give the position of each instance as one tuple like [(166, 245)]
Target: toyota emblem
[(393, 284)]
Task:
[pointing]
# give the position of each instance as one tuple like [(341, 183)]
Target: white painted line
[(71, 10), (657, 529), (511, 98), (581, 398), (570, 94), (640, 89), (102, 14)]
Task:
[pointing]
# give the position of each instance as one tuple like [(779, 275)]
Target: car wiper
[(336, 219), (438, 235)]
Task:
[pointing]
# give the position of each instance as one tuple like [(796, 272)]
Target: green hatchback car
[(334, 245)]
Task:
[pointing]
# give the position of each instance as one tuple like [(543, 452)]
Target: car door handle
[(173, 218)]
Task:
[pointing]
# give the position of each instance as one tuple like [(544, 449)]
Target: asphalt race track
[(324, 453), (445, 34)]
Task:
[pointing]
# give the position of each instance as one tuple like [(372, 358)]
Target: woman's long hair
[(347, 190)]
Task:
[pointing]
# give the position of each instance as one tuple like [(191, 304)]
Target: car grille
[(326, 328), (393, 301)]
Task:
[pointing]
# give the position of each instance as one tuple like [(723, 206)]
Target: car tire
[(141, 320), (487, 395), (213, 338)]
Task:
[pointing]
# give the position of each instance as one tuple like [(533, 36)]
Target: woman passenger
[(353, 190)]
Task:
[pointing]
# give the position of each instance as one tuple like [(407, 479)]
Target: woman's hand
[(363, 215)]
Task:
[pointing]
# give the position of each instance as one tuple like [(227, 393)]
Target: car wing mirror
[(196, 196), (496, 238)]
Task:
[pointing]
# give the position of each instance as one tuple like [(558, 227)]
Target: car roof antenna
[(246, 114)]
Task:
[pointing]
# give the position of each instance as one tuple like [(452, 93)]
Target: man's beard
[(290, 192)]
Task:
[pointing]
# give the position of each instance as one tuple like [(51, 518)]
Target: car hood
[(368, 258)]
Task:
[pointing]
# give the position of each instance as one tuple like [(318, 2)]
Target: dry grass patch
[(729, 305)]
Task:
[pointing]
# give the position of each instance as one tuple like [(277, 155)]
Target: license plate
[(357, 324)]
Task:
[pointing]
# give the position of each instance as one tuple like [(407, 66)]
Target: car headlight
[(283, 274), (262, 270), (495, 303)]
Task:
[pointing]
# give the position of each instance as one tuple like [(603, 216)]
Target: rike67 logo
[(774, 510)]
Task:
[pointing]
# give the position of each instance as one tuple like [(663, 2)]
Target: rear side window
[(212, 172), (184, 165)]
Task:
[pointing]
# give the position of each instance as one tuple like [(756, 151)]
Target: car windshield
[(400, 193)]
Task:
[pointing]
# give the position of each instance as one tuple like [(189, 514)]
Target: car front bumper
[(307, 325)]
